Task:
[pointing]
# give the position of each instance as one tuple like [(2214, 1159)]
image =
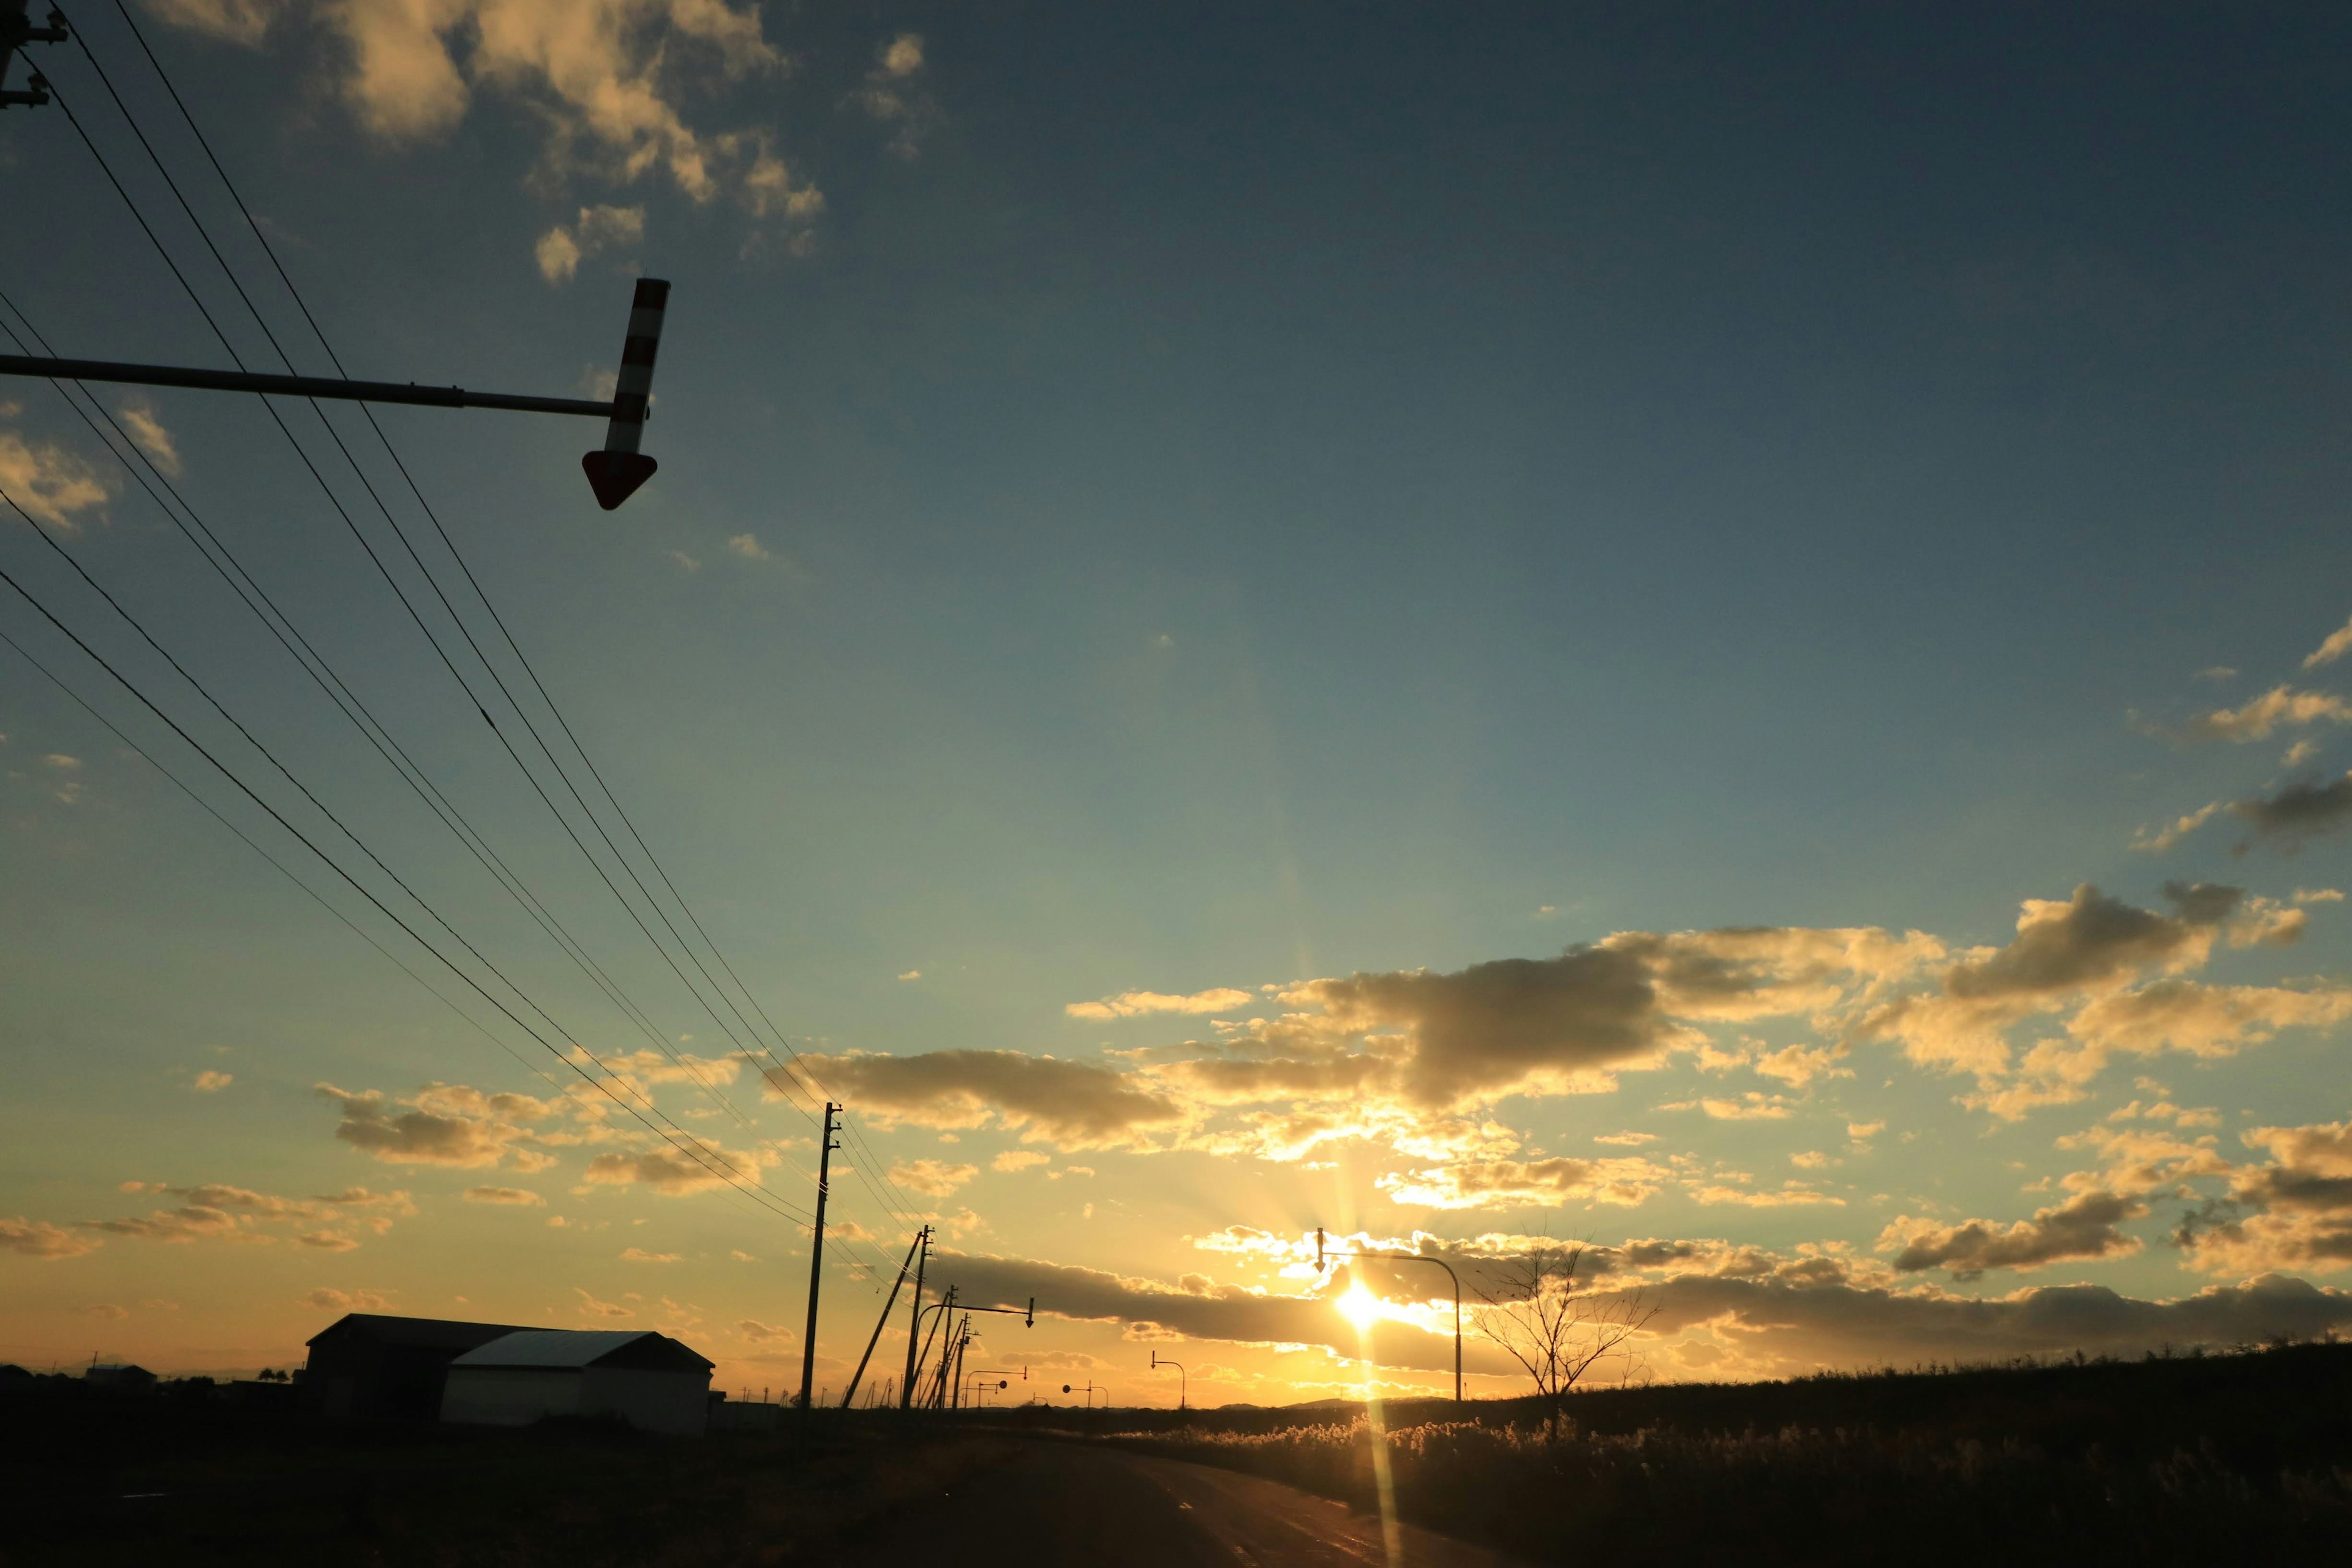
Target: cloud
[(2092, 937), (2256, 719), (444, 1124), (2338, 643), (1073, 1104), (1143, 1003), (520, 1198), (639, 1255), (333, 1301), (215, 1211), (48, 483), (148, 432), (675, 1173), (893, 94), (39, 1239), (2300, 1199), (748, 547), (1019, 1159), (931, 1178), (1797, 1314), (2084, 1226), (561, 250), (592, 1307), (912, 974), (2298, 812), (210, 1082), (1514, 1183), (604, 79), (759, 1332), (2164, 838)]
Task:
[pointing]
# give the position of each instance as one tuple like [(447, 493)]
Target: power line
[(294, 292), (860, 1165), (684, 1143)]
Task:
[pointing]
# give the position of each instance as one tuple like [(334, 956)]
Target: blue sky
[(1190, 499)]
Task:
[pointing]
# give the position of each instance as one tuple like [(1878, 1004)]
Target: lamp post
[(1412, 1258), (1089, 1391), (1183, 1378)]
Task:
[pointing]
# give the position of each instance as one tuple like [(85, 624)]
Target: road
[(1050, 1504)]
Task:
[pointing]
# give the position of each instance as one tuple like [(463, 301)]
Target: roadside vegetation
[(2228, 1458)]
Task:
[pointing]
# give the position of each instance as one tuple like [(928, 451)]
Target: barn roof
[(434, 1333), (570, 1349)]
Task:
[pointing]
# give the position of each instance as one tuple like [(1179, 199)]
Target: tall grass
[(2092, 1487)]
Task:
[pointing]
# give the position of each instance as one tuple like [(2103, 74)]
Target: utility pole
[(825, 1146), (16, 30), (914, 1316), (881, 1321)]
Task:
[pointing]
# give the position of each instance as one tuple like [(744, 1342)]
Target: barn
[(647, 1379), (367, 1366)]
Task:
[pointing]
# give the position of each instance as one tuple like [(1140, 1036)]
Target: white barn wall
[(508, 1396), (673, 1401)]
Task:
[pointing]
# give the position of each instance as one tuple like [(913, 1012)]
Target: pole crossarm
[(295, 385)]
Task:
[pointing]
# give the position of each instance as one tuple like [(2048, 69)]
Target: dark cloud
[(1074, 1104), (1497, 1026), (39, 1239), (2298, 812), (2083, 1226), (444, 1124), (1814, 1310), (2091, 937)]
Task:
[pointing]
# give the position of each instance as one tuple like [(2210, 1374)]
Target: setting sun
[(1359, 1306)]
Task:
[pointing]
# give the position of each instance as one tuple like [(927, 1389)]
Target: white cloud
[(561, 250), (154, 440), (2338, 642), (521, 1197), (1143, 1003), (932, 1178), (748, 547), (210, 1082), (442, 1124), (1019, 1159), (607, 80), (39, 1239), (2254, 719), (48, 483)]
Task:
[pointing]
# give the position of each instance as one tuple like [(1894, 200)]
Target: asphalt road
[(1049, 1504)]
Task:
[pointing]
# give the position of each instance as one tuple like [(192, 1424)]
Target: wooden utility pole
[(825, 1146), (915, 1317)]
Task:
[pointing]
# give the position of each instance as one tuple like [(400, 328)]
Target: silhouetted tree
[(1560, 1335)]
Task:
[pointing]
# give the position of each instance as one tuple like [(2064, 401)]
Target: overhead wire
[(801, 1078), (658, 1037), (863, 1160), (684, 1143)]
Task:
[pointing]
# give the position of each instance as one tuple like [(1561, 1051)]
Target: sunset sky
[(1720, 631)]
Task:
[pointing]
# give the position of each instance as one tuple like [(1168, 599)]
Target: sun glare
[(1359, 1306)]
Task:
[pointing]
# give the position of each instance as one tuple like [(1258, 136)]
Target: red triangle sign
[(616, 476)]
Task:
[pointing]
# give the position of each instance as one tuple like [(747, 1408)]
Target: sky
[(1719, 634)]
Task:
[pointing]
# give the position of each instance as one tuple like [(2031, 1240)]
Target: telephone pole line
[(915, 1318), (825, 1146)]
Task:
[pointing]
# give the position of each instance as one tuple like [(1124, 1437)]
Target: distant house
[(647, 1379), (369, 1367), (122, 1379)]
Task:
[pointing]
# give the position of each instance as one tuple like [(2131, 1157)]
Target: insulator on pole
[(616, 472)]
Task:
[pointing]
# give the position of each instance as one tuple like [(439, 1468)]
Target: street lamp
[(1089, 1391), (1411, 1257), (1183, 1378)]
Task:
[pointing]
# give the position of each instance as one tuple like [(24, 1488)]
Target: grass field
[(2193, 1459), (98, 1481)]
